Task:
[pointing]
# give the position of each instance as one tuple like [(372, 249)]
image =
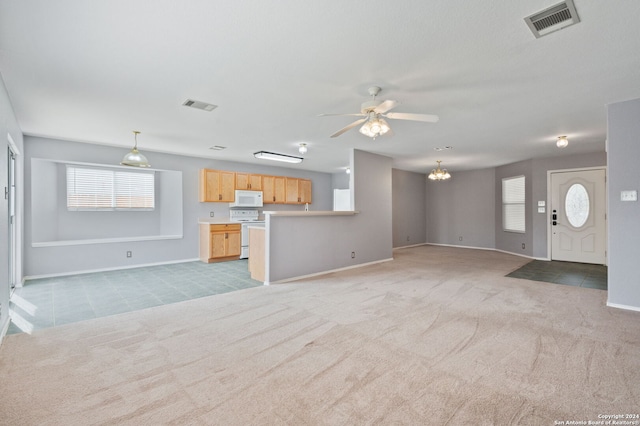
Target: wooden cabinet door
[(248, 181), (268, 194), (255, 182), (227, 187), (242, 181), (218, 244), (279, 191), (233, 243), (217, 185), (209, 184), (304, 190), (291, 191)]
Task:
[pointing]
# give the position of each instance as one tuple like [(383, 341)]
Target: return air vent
[(199, 105), (552, 19)]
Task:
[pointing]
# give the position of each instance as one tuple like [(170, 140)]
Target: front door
[(578, 216)]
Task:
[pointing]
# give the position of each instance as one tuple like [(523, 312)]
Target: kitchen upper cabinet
[(249, 181), (298, 191), (304, 190), (273, 189), (217, 185), (219, 242)]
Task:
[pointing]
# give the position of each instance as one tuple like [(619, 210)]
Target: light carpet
[(437, 336)]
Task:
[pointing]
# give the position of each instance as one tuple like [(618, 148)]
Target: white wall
[(623, 135)]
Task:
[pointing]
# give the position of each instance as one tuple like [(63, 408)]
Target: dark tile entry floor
[(566, 273)]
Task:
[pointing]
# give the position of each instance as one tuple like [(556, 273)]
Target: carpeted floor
[(437, 336)]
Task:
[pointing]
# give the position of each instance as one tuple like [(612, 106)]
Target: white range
[(246, 217)]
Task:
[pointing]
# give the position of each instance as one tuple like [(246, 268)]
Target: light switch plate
[(541, 209), (541, 203), (630, 195)]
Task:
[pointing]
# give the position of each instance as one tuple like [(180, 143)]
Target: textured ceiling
[(93, 71)]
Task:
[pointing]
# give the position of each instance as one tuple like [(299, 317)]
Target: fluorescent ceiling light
[(265, 155)]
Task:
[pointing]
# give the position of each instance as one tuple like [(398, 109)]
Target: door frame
[(606, 209), (14, 231)]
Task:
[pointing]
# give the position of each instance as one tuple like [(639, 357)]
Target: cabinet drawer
[(224, 228)]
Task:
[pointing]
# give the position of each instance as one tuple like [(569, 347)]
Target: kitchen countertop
[(312, 213), (216, 221)]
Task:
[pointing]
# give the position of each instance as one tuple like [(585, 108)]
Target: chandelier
[(439, 174), (374, 126)]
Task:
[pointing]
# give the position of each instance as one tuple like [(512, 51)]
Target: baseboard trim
[(484, 248), (625, 307), (301, 277), (410, 246), (117, 268)]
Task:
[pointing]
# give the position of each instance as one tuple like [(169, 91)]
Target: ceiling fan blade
[(385, 106), (349, 127), (429, 118), (328, 115)]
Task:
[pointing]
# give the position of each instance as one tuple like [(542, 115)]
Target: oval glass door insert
[(576, 205)]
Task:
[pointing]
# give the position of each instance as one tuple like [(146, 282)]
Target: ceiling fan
[(374, 114)]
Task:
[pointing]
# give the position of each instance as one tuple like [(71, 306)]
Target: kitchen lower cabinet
[(219, 242)]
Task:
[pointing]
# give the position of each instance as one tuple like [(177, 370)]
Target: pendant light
[(133, 157), (439, 174)]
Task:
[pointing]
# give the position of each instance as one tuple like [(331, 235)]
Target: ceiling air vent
[(552, 19), (199, 105)]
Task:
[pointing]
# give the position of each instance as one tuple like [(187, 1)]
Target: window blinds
[(106, 189), (513, 212)]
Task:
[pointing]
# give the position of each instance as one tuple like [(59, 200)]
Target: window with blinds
[(109, 189), (513, 211)]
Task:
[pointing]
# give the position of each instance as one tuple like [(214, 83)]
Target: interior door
[(578, 216)]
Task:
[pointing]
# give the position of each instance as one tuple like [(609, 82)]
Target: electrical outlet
[(522, 246), (353, 254), (459, 238), (129, 253), (408, 238), (210, 214)]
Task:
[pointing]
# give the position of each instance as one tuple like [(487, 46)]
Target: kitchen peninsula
[(261, 263)]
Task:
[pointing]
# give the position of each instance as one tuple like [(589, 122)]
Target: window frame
[(514, 204), (114, 186)]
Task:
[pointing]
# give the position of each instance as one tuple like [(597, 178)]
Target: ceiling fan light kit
[(134, 158), (562, 142), (439, 174), (266, 155), (374, 113)]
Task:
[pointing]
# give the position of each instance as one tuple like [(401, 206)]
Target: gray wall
[(9, 126), (299, 246), (340, 180), (409, 208), (624, 216), (513, 241), (539, 168), (51, 221), (462, 207), (74, 258)]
